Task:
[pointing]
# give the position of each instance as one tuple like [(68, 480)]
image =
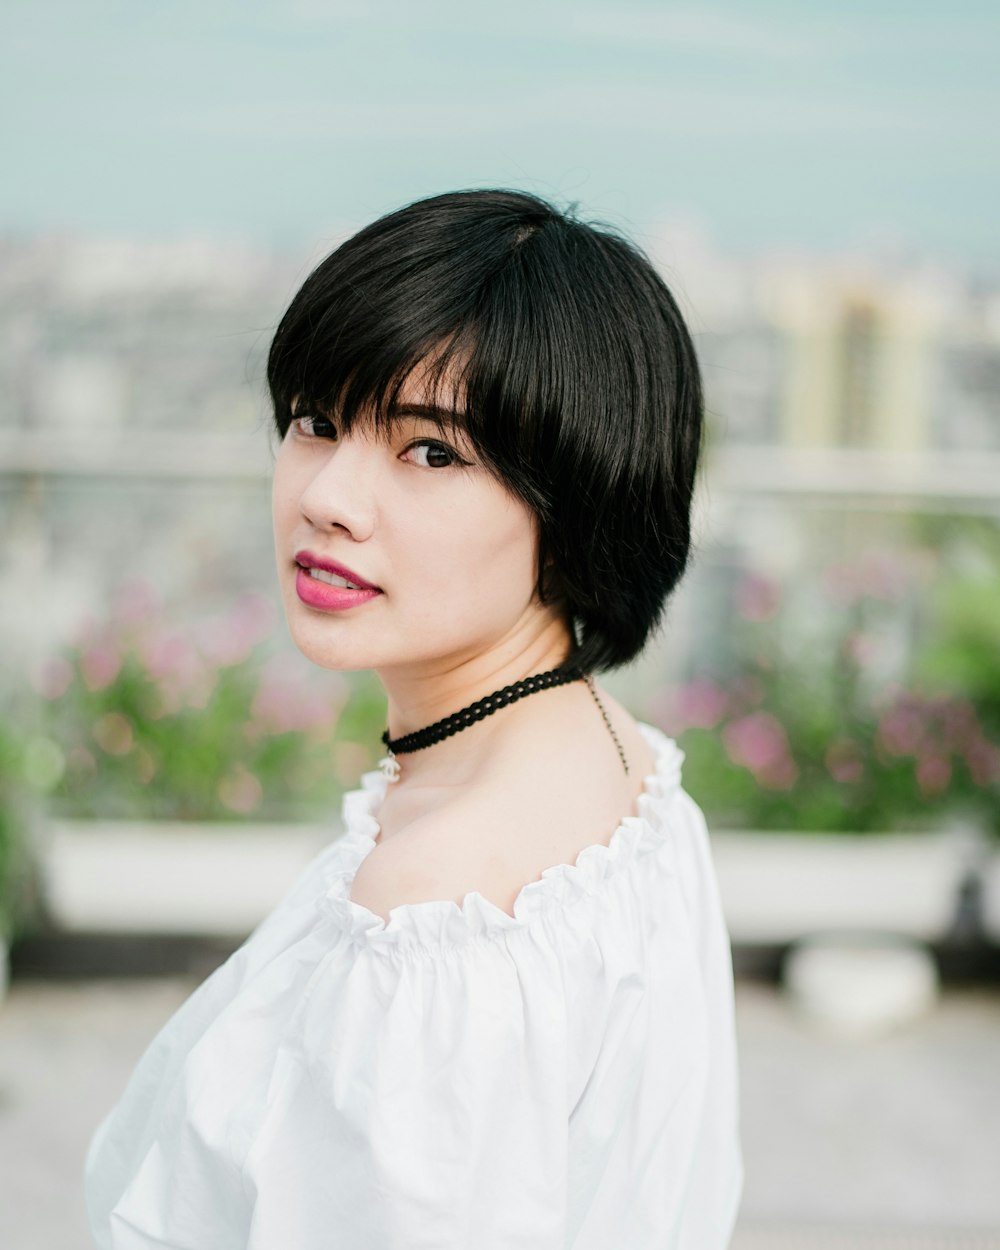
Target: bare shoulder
[(495, 838), (441, 856)]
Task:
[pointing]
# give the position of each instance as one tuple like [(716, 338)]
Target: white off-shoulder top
[(457, 1078)]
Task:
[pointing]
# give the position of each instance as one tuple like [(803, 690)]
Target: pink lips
[(320, 594), (310, 561)]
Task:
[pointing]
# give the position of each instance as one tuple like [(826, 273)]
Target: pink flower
[(135, 601), (958, 722), (843, 761), (241, 791), (843, 583), (882, 574), (933, 773), (54, 678), (757, 597), (289, 699), (700, 704), (113, 733), (902, 729), (170, 656), (100, 664), (983, 759), (747, 689), (758, 742), (231, 641), (180, 671), (780, 774)]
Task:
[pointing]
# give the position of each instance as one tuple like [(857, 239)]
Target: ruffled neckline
[(443, 922)]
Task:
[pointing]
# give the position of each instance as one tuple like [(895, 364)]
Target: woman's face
[(450, 552)]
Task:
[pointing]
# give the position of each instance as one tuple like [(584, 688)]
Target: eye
[(309, 425), (433, 455)]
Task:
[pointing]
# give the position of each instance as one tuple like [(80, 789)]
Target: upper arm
[(421, 1106)]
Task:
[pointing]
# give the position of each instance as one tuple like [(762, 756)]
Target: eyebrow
[(442, 417)]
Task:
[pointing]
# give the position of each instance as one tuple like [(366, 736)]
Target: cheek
[(284, 494), (480, 555)]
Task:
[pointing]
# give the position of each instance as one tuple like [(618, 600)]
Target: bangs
[(364, 387), (492, 328)]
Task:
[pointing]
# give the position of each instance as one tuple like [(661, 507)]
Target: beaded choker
[(482, 708)]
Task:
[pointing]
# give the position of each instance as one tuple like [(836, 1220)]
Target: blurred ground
[(880, 1145)]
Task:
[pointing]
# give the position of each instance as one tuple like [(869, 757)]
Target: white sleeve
[(420, 1103)]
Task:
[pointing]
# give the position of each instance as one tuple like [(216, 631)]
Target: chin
[(337, 659), (321, 642)]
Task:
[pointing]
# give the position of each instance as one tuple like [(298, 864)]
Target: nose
[(341, 493)]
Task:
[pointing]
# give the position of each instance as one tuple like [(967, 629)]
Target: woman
[(496, 1012)]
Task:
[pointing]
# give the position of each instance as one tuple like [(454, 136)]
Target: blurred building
[(827, 356)]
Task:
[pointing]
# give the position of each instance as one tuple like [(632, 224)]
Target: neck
[(419, 697)]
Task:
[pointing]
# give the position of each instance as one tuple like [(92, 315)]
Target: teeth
[(332, 579)]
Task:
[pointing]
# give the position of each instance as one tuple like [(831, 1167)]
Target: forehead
[(431, 391), (432, 383)]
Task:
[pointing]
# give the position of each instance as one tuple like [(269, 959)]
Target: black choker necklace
[(484, 707)]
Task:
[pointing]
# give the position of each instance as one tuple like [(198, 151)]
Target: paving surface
[(883, 1145)]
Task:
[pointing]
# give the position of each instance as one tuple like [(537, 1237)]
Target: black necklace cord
[(466, 716), (477, 711), (607, 720)]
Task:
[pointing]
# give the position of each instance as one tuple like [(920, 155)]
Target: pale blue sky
[(773, 124)]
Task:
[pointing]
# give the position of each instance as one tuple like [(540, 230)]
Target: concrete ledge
[(220, 879), (145, 898), (213, 879), (779, 887)]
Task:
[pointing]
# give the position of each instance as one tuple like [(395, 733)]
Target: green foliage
[(882, 712), (11, 839), (19, 883), (960, 651), (213, 723)]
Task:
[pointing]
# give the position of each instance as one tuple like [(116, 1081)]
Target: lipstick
[(329, 585)]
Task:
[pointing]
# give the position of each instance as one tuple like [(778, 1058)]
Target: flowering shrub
[(20, 886), (826, 716), (144, 721)]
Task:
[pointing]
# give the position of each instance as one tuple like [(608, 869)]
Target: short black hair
[(580, 384)]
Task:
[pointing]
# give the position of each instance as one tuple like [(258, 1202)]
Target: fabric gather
[(440, 923)]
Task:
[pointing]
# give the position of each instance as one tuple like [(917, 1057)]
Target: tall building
[(858, 363)]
